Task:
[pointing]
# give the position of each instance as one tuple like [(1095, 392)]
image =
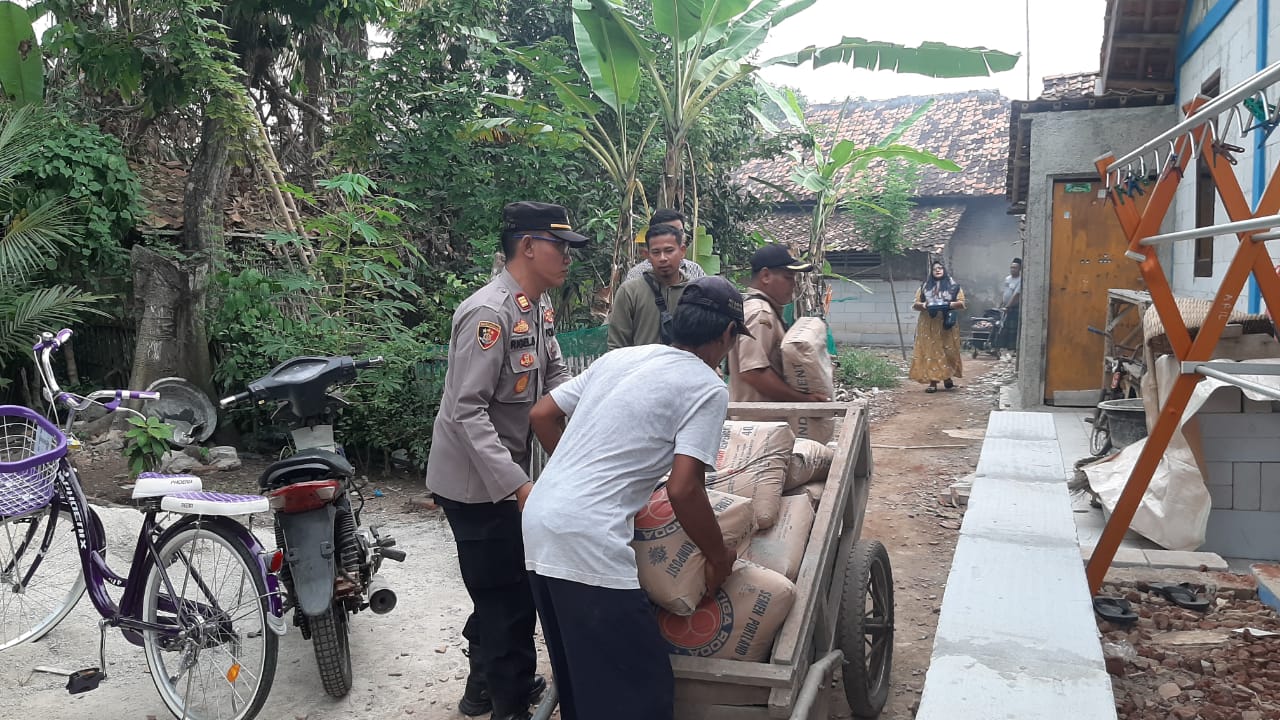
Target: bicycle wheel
[(222, 661), (41, 578), (1100, 436), (333, 649)]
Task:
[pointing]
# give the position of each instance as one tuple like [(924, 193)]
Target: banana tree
[(827, 174), (613, 62), (714, 43)]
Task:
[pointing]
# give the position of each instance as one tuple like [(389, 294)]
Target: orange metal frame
[(1250, 257)]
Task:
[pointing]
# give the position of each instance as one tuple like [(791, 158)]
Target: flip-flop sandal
[(931, 389), (1117, 611), (1183, 595)]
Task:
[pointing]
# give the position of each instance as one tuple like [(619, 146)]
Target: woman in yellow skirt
[(937, 351)]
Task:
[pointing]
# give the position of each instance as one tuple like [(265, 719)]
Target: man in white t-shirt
[(621, 438)]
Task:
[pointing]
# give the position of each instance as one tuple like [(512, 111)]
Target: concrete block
[(1243, 534), (1241, 426), (1125, 557), (1270, 487), (1218, 473), (1221, 495), (1021, 426), (1185, 560), (1246, 487), (1268, 579), (1257, 406), (1223, 400), (1240, 449), (1012, 611)]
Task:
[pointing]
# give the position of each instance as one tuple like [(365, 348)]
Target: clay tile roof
[(248, 209), (792, 228), (970, 128), (1073, 85)]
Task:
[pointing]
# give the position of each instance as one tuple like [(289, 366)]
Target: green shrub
[(864, 369), (145, 443)]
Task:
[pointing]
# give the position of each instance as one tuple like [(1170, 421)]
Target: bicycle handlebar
[(373, 362)]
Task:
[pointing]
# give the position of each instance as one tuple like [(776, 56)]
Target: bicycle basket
[(30, 450)]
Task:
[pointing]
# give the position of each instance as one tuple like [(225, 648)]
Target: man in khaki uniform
[(636, 317), (755, 362), (503, 356)]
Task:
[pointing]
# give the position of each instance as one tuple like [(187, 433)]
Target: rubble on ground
[(1182, 664)]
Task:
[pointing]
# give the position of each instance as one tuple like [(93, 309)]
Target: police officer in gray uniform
[(503, 356)]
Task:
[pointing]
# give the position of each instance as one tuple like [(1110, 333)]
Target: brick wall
[(1242, 472)]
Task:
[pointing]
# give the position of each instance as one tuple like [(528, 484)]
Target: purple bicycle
[(201, 597)]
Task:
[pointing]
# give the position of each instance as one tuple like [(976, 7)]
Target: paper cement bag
[(739, 622), (806, 366), (752, 462), (812, 490), (670, 565), (810, 461), (781, 547)]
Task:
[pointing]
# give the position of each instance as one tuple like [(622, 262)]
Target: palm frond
[(25, 313), (31, 237)]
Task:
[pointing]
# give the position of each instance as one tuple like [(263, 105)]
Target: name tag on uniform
[(522, 342)]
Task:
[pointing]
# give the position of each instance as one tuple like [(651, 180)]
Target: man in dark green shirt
[(637, 315)]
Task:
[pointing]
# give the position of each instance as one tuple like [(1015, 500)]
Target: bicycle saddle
[(309, 464)]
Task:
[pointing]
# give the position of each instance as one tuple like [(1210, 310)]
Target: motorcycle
[(330, 562)]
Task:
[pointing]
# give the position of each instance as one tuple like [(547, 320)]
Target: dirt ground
[(410, 663)]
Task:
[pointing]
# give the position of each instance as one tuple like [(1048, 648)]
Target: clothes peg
[(1133, 186), (1119, 194), (1228, 151), (1172, 166), (1265, 115)]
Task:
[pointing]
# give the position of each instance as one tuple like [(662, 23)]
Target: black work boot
[(476, 700)]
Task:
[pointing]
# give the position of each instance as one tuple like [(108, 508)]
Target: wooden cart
[(843, 613)]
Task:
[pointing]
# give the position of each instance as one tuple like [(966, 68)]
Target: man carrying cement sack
[(755, 363), (608, 657)]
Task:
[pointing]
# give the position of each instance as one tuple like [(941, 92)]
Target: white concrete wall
[(1242, 472), (1064, 146), (1231, 49), (861, 318)]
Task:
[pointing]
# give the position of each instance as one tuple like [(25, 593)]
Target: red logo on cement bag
[(656, 520), (702, 634)]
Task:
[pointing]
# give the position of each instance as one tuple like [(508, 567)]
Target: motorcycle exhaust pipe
[(382, 599)]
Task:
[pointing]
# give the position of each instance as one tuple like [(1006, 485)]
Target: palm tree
[(30, 237)]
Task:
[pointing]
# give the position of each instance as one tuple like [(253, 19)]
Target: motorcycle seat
[(152, 484), (309, 464), (214, 503)]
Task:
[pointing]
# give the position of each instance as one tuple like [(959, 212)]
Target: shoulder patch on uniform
[(522, 301), (487, 334)]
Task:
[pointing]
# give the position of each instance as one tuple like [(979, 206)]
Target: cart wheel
[(865, 629)]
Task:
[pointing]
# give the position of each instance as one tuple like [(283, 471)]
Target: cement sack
[(810, 461), (812, 490), (806, 366), (739, 622), (752, 462), (670, 565), (781, 547)]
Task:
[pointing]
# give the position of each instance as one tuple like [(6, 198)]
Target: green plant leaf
[(932, 59), (21, 63), (683, 20), (610, 50)]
